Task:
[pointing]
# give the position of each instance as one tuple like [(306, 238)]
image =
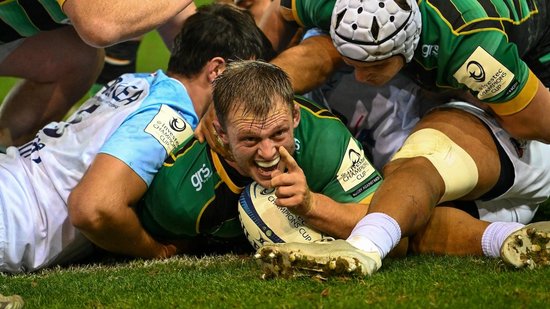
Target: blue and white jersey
[(137, 118)]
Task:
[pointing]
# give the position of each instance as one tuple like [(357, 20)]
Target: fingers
[(288, 161), (199, 132)]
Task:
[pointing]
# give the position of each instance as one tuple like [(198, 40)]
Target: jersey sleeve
[(180, 191), (332, 160), (311, 13), (490, 67), (165, 119)]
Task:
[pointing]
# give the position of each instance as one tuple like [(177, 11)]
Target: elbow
[(84, 214), (97, 33)]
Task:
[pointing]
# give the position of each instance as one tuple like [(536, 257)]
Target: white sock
[(494, 236), (376, 232)]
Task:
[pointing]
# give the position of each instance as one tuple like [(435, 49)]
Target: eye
[(280, 133), (248, 140)]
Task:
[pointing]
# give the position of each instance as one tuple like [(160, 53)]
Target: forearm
[(104, 23), (333, 218), (100, 206), (532, 122), (310, 63), (169, 30), (278, 30), (123, 234)]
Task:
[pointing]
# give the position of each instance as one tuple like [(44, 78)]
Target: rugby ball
[(264, 222)]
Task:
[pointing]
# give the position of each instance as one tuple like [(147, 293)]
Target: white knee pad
[(454, 164)]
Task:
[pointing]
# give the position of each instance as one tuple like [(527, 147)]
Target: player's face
[(376, 73), (254, 143)]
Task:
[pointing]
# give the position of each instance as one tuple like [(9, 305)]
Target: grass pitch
[(232, 281)]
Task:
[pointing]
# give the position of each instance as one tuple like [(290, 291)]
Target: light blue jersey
[(137, 118)]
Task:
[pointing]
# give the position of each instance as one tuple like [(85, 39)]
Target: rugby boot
[(324, 259), (528, 246)]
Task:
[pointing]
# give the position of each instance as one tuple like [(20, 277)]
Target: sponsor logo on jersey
[(297, 144), (355, 167), (429, 50), (200, 177), (484, 74), (123, 91), (169, 128)]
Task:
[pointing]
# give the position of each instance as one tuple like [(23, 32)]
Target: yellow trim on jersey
[(521, 101), (223, 174), (367, 199), (61, 2), (198, 221)]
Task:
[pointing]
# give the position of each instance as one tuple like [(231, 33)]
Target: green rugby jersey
[(478, 45), (475, 45), (25, 18), (196, 192), (311, 13)]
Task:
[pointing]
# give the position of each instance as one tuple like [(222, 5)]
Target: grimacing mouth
[(268, 164)]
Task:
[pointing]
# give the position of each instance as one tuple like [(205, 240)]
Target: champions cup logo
[(177, 125), (476, 71), (354, 156), (169, 128), (484, 74), (355, 168)]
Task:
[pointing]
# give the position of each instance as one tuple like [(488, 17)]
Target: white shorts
[(382, 118), (531, 183)]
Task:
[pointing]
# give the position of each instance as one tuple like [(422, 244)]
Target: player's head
[(217, 30), (376, 30), (256, 114)]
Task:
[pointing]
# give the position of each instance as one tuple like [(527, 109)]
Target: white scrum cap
[(372, 30)]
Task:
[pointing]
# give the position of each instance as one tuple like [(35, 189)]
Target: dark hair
[(253, 86), (217, 30)]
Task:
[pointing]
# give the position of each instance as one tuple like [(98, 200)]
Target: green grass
[(232, 281)]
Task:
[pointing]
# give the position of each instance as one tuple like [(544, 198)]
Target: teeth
[(267, 164)]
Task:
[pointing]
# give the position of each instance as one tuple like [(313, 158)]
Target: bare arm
[(277, 26), (100, 206), (170, 29), (310, 63), (531, 122), (320, 211), (106, 22)]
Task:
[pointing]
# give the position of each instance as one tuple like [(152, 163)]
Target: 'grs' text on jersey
[(430, 50), (200, 177)]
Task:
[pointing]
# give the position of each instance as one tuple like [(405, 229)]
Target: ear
[(220, 131), (215, 67), (296, 116)]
